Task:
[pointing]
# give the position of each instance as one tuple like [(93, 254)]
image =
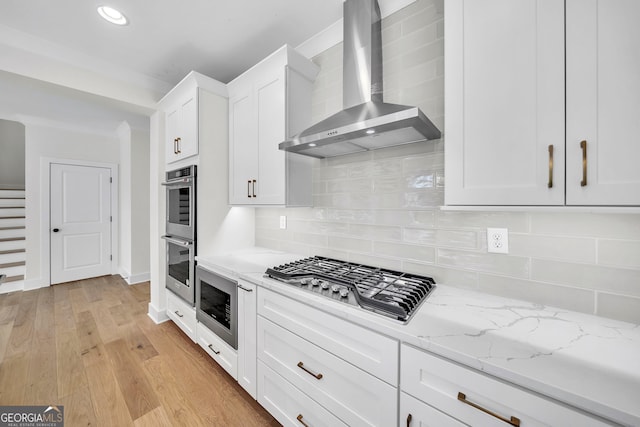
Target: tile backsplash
[(383, 207)]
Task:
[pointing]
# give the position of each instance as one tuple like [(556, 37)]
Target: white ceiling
[(60, 61)]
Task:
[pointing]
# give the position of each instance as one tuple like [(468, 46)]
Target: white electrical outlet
[(498, 240), (283, 222)]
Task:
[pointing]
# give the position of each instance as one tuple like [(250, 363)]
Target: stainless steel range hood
[(366, 122)]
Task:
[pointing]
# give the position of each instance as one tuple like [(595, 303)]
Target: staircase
[(12, 238)]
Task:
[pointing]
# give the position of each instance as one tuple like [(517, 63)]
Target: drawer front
[(439, 382), (351, 394), (219, 350), (414, 413), (288, 405), (182, 314), (366, 349)]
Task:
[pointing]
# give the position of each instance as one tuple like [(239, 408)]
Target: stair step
[(16, 270), (12, 194), (12, 244), (11, 211), (15, 256), (12, 221), (12, 232), (15, 203)]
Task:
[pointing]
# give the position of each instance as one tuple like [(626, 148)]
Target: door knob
[(55, 230)]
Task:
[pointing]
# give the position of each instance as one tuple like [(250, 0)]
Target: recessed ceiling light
[(312, 145), (370, 131), (112, 15)]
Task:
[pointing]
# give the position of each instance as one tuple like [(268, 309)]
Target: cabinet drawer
[(351, 394), (414, 413), (437, 381), (289, 405), (182, 314), (366, 349), (219, 350)]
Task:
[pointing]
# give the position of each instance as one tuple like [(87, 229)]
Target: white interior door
[(80, 222)]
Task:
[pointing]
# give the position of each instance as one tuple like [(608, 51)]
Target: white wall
[(46, 141), (383, 207), (12, 147)]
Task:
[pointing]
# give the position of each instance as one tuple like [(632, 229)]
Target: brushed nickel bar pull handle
[(583, 145), (211, 348), (178, 313), (409, 418), (245, 289), (512, 421), (299, 418), (179, 150), (175, 145), (316, 376), (550, 184), (249, 189), (254, 188)]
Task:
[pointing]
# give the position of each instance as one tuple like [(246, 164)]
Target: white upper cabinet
[(504, 102), (267, 104), (603, 102), (182, 108), (506, 130)]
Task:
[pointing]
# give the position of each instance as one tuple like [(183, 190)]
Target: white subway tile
[(552, 247), (420, 236), (514, 221), (350, 244), (612, 226), (405, 251), (516, 267), (442, 275), (588, 276), (619, 307), (619, 253), (375, 261), (542, 293), (376, 232)]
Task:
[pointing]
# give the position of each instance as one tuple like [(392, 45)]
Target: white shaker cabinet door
[(243, 148), (603, 102), (504, 102)]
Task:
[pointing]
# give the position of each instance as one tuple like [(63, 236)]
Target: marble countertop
[(590, 362)]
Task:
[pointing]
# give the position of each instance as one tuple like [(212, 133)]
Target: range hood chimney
[(366, 122)]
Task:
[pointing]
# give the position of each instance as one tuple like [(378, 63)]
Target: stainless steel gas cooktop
[(391, 293)]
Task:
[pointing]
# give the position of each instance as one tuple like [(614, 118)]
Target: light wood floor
[(90, 346)]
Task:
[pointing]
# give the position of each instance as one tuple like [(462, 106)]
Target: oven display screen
[(216, 304), (179, 205)]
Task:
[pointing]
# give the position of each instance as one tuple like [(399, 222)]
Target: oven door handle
[(177, 241), (177, 182)]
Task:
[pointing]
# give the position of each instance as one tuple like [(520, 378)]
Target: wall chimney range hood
[(366, 122)]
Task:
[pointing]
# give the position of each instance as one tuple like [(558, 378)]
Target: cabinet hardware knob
[(299, 418), (254, 187), (55, 230), (550, 184), (512, 421), (249, 189), (178, 313), (316, 376), (583, 145), (409, 418), (211, 348), (245, 289)]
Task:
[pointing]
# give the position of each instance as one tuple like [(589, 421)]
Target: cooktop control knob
[(305, 281), (324, 285), (344, 292), (315, 282), (335, 289)]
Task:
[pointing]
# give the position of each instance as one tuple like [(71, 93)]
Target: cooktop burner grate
[(389, 292)]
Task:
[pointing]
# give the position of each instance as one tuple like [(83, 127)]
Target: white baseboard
[(138, 278), (158, 316), (32, 284)]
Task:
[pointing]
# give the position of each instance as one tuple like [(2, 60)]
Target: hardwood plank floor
[(90, 346)]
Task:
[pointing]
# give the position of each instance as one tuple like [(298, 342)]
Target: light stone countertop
[(590, 362)]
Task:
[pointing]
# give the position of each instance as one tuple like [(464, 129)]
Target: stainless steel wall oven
[(181, 232), (217, 305)]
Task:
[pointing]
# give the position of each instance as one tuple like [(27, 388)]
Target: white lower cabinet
[(247, 336), (289, 405), (477, 399), (414, 413), (320, 355), (182, 314), (225, 355)]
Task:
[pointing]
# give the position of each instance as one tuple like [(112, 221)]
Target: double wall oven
[(181, 232)]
